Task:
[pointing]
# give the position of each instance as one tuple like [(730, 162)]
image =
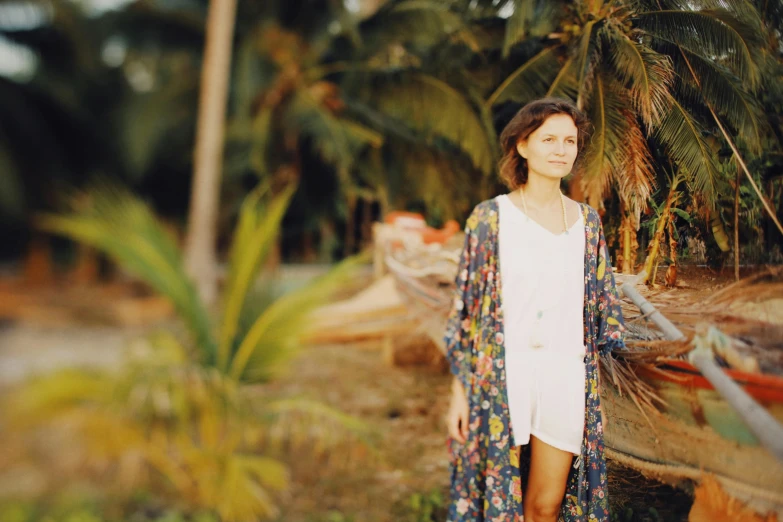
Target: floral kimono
[(485, 471)]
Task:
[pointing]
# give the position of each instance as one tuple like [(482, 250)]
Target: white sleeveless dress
[(542, 299)]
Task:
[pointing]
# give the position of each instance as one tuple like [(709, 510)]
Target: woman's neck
[(540, 191)]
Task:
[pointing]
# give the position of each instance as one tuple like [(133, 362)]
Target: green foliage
[(117, 223), (175, 414)]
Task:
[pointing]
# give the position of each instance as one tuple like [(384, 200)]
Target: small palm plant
[(176, 417)]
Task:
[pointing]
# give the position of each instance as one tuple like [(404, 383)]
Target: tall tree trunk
[(629, 244), (736, 223), (651, 263), (200, 243)]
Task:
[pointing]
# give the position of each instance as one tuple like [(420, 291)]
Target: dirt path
[(405, 407)]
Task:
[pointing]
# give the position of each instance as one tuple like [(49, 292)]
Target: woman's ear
[(522, 148)]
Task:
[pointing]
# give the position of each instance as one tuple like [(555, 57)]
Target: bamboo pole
[(763, 425)]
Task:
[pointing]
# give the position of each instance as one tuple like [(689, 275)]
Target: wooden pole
[(763, 425)]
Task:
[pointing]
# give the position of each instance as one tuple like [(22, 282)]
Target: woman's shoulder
[(589, 212), (483, 214)]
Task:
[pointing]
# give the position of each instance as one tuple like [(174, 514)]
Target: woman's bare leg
[(546, 481)]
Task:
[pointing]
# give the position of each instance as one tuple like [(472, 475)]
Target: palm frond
[(722, 90), (607, 115), (434, 109), (743, 9), (337, 140), (565, 84), (647, 74), (683, 139), (636, 179), (117, 223), (254, 235), (415, 22), (530, 18), (714, 33), (529, 81), (585, 55), (285, 321)]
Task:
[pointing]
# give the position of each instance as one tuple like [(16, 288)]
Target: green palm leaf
[(720, 88), (715, 33), (565, 84), (255, 233), (123, 227), (530, 80), (530, 18), (338, 141), (604, 161), (416, 22), (685, 144), (282, 324), (436, 110), (584, 58), (648, 74)]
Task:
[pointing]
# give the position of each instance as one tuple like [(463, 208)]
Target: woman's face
[(551, 149)]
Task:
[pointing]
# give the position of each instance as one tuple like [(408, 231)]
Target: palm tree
[(196, 426), (364, 97), (645, 70)]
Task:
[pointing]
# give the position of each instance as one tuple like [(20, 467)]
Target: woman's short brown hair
[(512, 166)]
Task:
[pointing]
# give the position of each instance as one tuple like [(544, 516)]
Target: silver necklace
[(562, 205)]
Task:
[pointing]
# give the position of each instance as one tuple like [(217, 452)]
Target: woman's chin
[(556, 174)]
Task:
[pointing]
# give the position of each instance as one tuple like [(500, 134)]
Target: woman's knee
[(544, 508)]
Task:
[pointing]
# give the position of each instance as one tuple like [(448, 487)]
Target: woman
[(524, 353)]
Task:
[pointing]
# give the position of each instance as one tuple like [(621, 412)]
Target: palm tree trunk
[(651, 264), (200, 243), (629, 244), (736, 223)]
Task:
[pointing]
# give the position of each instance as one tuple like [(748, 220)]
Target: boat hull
[(697, 433)]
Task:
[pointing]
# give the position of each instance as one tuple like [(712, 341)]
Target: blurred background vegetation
[(372, 106), (336, 112)]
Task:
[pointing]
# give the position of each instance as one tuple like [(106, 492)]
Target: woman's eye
[(548, 139)]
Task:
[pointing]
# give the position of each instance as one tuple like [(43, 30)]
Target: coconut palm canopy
[(396, 102)]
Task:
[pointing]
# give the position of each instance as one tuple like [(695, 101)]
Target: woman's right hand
[(457, 418)]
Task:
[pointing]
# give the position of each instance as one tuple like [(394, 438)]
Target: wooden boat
[(665, 419), (696, 433)]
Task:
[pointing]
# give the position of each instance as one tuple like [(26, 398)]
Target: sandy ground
[(405, 408)]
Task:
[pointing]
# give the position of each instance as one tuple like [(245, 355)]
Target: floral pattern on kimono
[(485, 470)]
